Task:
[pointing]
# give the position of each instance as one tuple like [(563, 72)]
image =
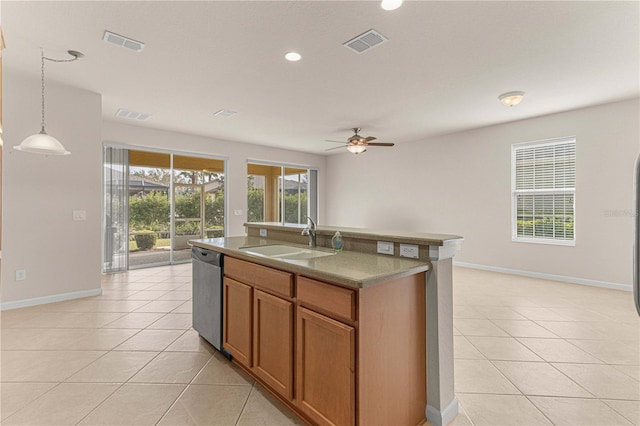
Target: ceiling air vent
[(365, 41), (224, 113), (123, 41), (138, 116)]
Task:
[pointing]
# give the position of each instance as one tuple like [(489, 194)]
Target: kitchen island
[(343, 338)]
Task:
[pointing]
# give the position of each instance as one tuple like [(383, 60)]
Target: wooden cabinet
[(325, 369), (237, 327), (334, 355), (336, 301), (258, 323), (273, 342)]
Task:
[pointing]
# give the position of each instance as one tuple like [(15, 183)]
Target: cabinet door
[(238, 299), (325, 369), (273, 342)]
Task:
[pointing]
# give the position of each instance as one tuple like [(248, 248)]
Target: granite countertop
[(348, 268)]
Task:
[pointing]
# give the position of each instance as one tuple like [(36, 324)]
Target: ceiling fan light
[(42, 143), (356, 149), (511, 98), (391, 4)]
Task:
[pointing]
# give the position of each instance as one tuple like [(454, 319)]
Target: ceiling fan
[(357, 144)]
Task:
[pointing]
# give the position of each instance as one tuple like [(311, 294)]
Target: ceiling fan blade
[(380, 144), (328, 140), (370, 138), (337, 147)]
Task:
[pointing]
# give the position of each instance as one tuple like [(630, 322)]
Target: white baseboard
[(444, 417), (24, 303), (563, 278)]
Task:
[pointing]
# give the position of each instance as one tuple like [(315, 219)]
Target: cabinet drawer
[(331, 298), (273, 280)]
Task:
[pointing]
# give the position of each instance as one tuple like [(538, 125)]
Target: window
[(543, 182), (277, 189)]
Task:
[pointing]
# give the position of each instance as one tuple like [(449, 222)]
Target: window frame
[(312, 205), (542, 191)]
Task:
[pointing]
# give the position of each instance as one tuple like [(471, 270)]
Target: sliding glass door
[(199, 200), (166, 200)]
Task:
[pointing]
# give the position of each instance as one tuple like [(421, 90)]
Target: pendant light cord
[(73, 53), (42, 86)]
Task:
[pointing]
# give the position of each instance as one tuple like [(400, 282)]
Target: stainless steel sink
[(282, 251)]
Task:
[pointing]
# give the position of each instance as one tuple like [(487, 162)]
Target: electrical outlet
[(263, 232), (409, 250), (237, 212), (79, 215), (21, 274), (385, 247)]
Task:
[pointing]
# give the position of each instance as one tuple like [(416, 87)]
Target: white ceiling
[(441, 72)]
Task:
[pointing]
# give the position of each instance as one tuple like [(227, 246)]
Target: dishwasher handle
[(207, 256)]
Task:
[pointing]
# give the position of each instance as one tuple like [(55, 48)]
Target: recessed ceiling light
[(511, 98), (391, 4), (293, 56)]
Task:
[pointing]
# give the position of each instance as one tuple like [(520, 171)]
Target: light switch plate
[(21, 274), (409, 250), (385, 247), (263, 232)]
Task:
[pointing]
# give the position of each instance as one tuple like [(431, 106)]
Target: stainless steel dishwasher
[(207, 294)]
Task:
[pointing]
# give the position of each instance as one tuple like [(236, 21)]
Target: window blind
[(544, 182)]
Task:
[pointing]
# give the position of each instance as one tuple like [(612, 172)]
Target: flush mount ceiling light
[(511, 98), (293, 56), (391, 4), (42, 143)]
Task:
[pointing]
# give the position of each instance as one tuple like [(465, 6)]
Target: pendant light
[(42, 143), (391, 4)]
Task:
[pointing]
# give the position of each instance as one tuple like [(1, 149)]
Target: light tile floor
[(527, 352), (537, 352)]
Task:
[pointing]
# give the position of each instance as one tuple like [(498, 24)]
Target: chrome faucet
[(310, 230)]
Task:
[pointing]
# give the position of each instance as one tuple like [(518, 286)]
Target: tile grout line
[(100, 404), (30, 402), (253, 387), (519, 389), (185, 387)]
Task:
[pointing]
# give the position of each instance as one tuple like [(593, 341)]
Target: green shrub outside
[(536, 227), (146, 240), (188, 228), (153, 210), (149, 212), (255, 207)]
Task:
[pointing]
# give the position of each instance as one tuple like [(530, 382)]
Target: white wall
[(62, 258), (59, 255), (461, 184), (236, 152)]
